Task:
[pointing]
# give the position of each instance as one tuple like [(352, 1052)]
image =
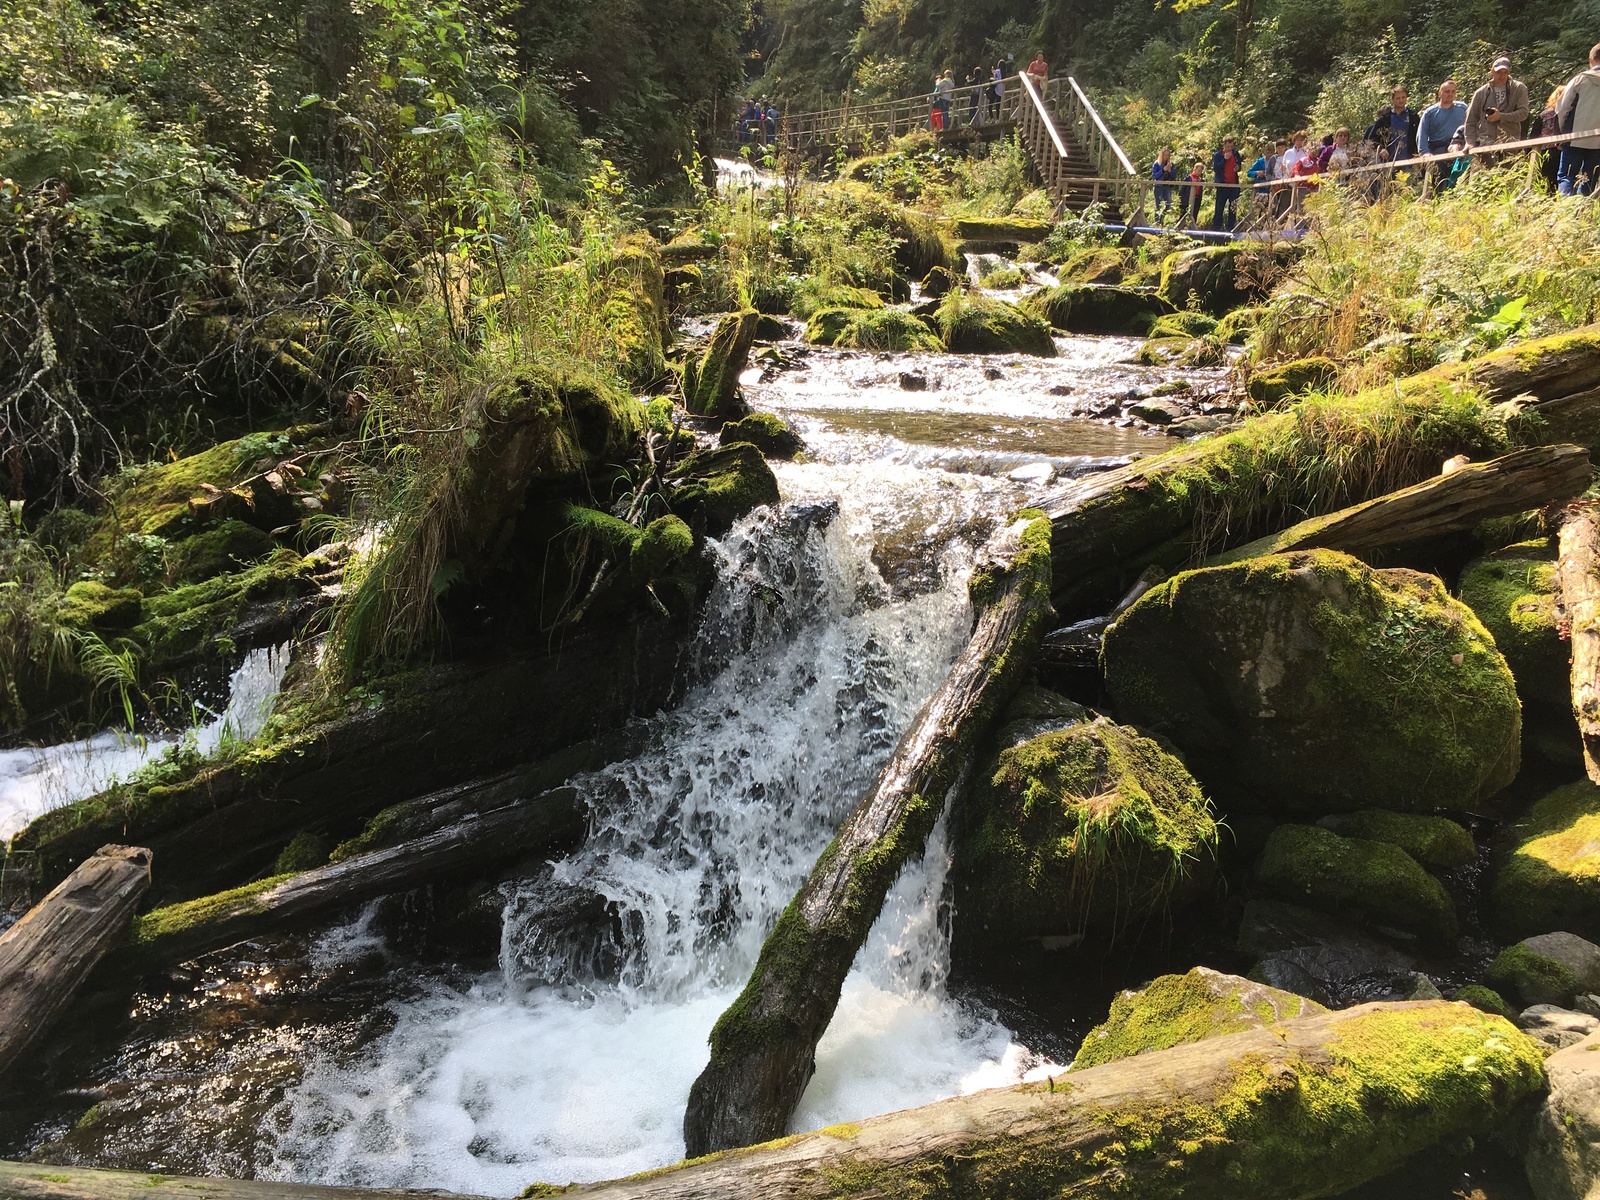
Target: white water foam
[(34, 780), (574, 1062)]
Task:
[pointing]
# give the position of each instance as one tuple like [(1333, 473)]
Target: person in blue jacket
[(1225, 170), (1163, 170)]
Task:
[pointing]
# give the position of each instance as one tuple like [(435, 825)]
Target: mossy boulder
[(635, 308), (1281, 382), (1001, 229), (711, 489), (1550, 968), (230, 546), (203, 619), (1377, 881), (1437, 843), (661, 545), (980, 325), (711, 382), (889, 329), (824, 326), (682, 283), (938, 282), (89, 604), (1093, 308), (1089, 828), (1552, 878), (1177, 1009), (1485, 999), (768, 433), (1187, 323), (1219, 278), (1514, 593), (1236, 327), (1310, 681), (1099, 264), (813, 295), (1162, 352)]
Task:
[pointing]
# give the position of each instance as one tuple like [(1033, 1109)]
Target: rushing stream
[(832, 621)]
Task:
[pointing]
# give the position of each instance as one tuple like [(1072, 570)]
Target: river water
[(338, 1059)]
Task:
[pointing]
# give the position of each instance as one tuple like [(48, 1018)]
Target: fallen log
[(1578, 575), (1209, 496), (47, 954), (183, 931), (39, 1181), (763, 1047), (1445, 504)]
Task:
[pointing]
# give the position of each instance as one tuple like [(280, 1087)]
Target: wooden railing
[(1100, 173), (867, 125)]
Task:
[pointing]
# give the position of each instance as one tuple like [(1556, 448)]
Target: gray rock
[(1555, 1026), (913, 381), (1195, 425), (1581, 958), (1315, 955), (1157, 412), (1563, 1153), (1587, 1002), (1423, 988)]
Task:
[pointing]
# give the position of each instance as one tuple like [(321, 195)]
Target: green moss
[(1092, 308), (231, 546), (1531, 978), (1219, 278), (663, 543), (1098, 264), (635, 308), (1236, 327), (1272, 386), (176, 920), (91, 605), (1002, 229), (1003, 279), (1161, 352), (1552, 878), (1514, 593), (980, 325), (190, 620), (1377, 881), (881, 329), (1486, 1000), (1176, 1009), (815, 294), (154, 501), (1091, 827), (1437, 843), (388, 827), (767, 433), (305, 851), (714, 488), (1187, 323), (711, 384)]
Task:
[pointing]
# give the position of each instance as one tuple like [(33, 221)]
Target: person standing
[(1394, 131), (1225, 170), (1498, 108), (1548, 125), (944, 90), (1163, 170), (1038, 71), (1580, 112), (974, 94), (1440, 120), (1189, 200), (997, 89)]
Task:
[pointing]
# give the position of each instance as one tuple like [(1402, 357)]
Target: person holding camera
[(1498, 109)]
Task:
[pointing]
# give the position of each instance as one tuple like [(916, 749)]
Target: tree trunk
[(183, 931), (1578, 573), (762, 1049), (47, 954), (1445, 504), (37, 1181), (711, 388)]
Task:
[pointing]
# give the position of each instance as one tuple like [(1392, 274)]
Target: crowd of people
[(1436, 140), (758, 123), (985, 93)]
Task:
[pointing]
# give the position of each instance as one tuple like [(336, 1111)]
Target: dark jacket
[(1219, 166), (1380, 133)]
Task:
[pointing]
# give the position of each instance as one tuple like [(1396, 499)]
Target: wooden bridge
[(1077, 159)]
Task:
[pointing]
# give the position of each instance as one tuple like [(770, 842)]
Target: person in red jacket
[(1225, 171)]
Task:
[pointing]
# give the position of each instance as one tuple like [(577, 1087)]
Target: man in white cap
[(1498, 109)]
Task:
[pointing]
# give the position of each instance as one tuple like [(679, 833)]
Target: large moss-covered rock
[(1093, 308), (1177, 1009), (891, 329), (1552, 878), (1219, 278), (1186, 323), (1513, 592), (768, 433), (89, 604), (635, 308), (1548, 968), (711, 489), (1376, 881), (231, 546), (1093, 827), (1437, 843), (1272, 386), (1001, 229), (1098, 264), (1311, 681), (815, 294), (980, 325), (711, 382)]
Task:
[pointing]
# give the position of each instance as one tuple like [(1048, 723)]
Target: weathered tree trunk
[(1445, 504), (762, 1048), (1578, 573), (47, 954), (182, 931), (1218, 493), (711, 386), (37, 1181)]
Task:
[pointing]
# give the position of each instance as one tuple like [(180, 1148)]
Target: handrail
[(1038, 104), (1101, 126)]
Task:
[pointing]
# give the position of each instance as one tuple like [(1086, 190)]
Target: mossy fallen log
[(763, 1047), (45, 956), (1445, 504), (40, 1181), (1578, 570), (183, 931), (1311, 1106), (1319, 456)]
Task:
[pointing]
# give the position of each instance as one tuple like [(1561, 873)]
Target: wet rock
[(1556, 1026), (1314, 954), (1060, 389), (1377, 881), (1423, 988), (981, 325), (1161, 352), (1562, 1157), (1032, 473), (1587, 1002), (913, 381), (771, 329), (1157, 412), (937, 282), (1091, 308), (1173, 387), (767, 433), (1194, 426), (1275, 385), (1311, 681), (1186, 323), (1549, 968), (1552, 878), (711, 489), (1035, 711), (1514, 593), (1092, 828), (1437, 843), (1177, 1009), (993, 373)]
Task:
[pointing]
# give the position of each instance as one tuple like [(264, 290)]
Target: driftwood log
[(763, 1047), (35, 1181), (1454, 503), (170, 935), (1212, 495), (1578, 574), (47, 954)]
